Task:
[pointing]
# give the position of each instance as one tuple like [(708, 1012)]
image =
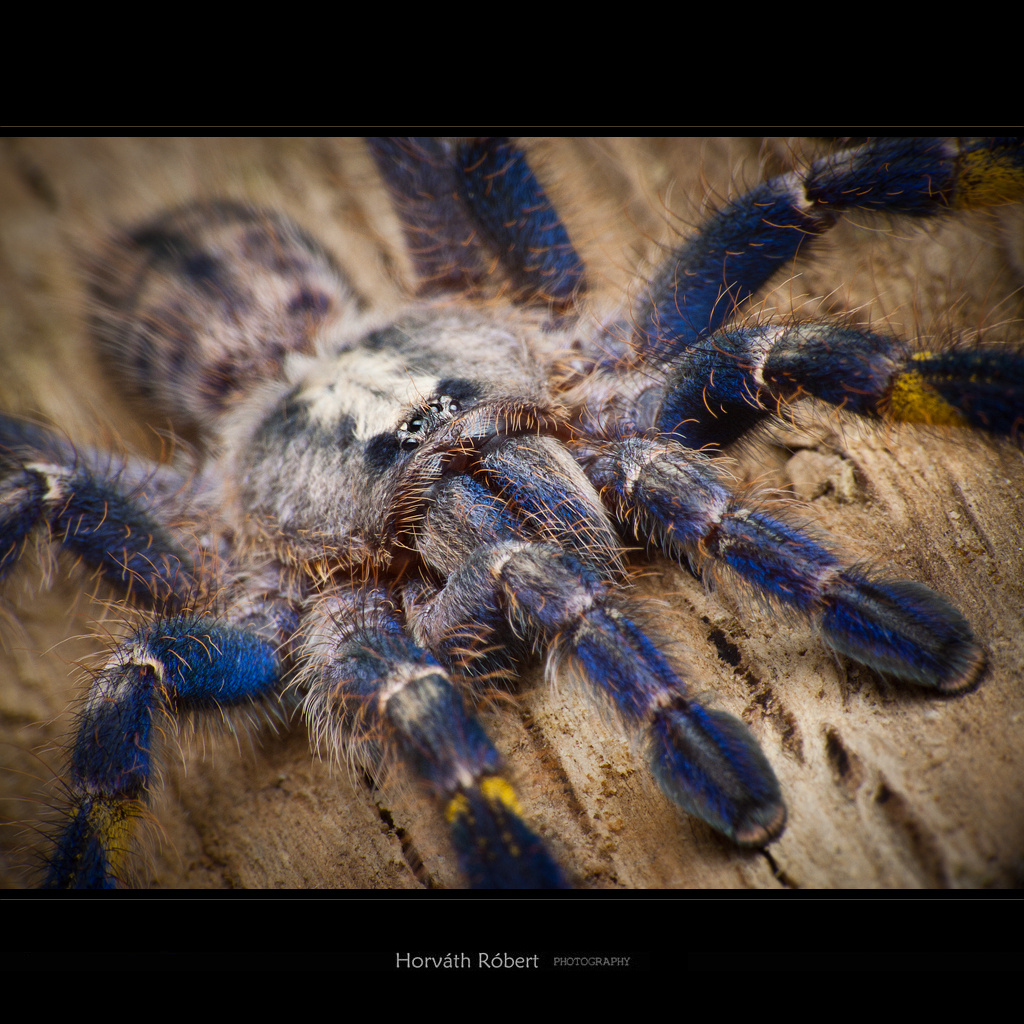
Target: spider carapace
[(388, 514)]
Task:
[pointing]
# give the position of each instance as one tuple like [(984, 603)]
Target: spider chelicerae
[(892, 816)]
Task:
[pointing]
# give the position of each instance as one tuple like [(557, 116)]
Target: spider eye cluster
[(440, 410)]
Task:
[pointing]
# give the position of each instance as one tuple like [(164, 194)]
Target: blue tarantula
[(392, 512)]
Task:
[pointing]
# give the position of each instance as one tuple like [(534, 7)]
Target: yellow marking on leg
[(989, 178), (113, 824), (458, 807), (498, 791), (494, 789), (913, 400)]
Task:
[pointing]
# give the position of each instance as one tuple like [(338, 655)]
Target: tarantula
[(485, 443)]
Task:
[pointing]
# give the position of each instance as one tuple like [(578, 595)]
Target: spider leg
[(758, 370), (742, 245), (114, 517), (896, 626), (467, 203), (514, 594), (705, 385), (102, 516), (373, 693), (173, 666)]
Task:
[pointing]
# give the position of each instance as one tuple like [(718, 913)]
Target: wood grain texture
[(886, 786)]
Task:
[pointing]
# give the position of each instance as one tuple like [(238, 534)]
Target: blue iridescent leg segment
[(111, 518), (518, 221), (102, 517), (440, 236), (895, 626), (688, 376), (519, 594), (742, 245), (468, 203), (373, 694), (761, 370), (172, 667)]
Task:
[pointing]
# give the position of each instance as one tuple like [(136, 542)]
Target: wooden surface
[(886, 786)]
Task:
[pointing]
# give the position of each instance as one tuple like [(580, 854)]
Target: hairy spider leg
[(508, 590), (99, 514), (440, 236), (466, 204), (758, 370), (742, 245), (721, 384), (372, 693), (110, 518), (895, 626), (174, 666)]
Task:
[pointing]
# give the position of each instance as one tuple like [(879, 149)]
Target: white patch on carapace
[(373, 388)]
